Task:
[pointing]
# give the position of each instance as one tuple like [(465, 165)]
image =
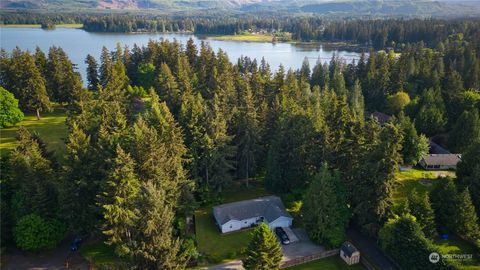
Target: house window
[(230, 226)]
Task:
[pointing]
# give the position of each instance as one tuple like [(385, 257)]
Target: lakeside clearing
[(63, 25), (51, 128), (254, 37)]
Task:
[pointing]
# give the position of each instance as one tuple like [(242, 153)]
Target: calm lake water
[(78, 43)]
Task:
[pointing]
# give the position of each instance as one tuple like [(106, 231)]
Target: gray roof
[(381, 117), (436, 148), (270, 207), (442, 159), (348, 249)]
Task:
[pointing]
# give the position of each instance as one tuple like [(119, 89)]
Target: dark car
[(76, 243), (282, 235)]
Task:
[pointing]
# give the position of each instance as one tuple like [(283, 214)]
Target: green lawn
[(245, 37), (458, 246), (330, 263), (410, 180), (98, 252), (51, 127), (211, 242)]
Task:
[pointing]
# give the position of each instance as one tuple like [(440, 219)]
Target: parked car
[(76, 243), (282, 235)]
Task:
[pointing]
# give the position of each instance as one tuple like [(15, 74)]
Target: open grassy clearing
[(412, 180), (51, 128), (64, 25), (330, 263), (98, 253), (456, 245), (245, 37)]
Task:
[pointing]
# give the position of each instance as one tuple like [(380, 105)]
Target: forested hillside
[(420, 8)]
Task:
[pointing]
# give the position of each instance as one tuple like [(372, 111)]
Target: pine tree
[(325, 209), (154, 246), (466, 219), (33, 95), (167, 88), (264, 251), (420, 207), (431, 118), (247, 137), (92, 73), (414, 146), (220, 153), (357, 103), (118, 201), (41, 61), (402, 238), (80, 187), (444, 200), (465, 132), (105, 66), (34, 176), (468, 173), (378, 182)]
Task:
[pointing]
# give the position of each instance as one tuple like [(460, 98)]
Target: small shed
[(440, 161), (349, 253)]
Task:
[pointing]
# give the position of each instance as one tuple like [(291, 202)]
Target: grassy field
[(65, 25), (330, 263), (458, 246), (51, 128), (245, 37), (411, 180), (98, 253)]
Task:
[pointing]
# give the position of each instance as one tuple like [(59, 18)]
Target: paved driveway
[(304, 247)]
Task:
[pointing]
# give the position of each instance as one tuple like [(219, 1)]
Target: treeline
[(135, 168), (379, 34)]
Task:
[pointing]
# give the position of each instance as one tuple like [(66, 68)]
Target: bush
[(34, 233)]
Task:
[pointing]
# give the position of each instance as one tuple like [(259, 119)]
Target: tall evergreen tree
[(414, 146), (264, 251), (92, 73), (466, 218), (248, 133), (379, 180), (325, 209), (468, 173), (420, 207), (465, 132), (118, 201)]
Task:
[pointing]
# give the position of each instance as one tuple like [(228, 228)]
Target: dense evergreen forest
[(378, 33), (165, 128)]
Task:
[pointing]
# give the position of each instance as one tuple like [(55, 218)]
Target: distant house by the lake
[(239, 215), (440, 161)]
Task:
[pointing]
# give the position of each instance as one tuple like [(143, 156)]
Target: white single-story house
[(238, 215), (349, 253), (440, 161)]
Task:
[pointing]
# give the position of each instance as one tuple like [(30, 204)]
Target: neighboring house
[(381, 117), (440, 161), (349, 253), (238, 215), (435, 148)]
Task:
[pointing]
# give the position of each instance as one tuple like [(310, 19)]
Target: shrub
[(34, 233)]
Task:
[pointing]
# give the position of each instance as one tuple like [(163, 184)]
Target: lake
[(77, 43)]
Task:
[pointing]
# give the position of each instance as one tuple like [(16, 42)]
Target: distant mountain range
[(341, 7)]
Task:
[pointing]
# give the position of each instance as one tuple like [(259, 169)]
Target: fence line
[(306, 259)]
